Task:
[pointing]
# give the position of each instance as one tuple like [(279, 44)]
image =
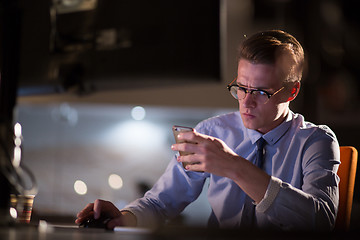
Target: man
[(289, 182)]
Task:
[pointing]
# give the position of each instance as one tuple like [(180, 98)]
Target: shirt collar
[(274, 135)]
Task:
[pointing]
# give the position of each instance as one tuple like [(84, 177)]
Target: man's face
[(255, 115)]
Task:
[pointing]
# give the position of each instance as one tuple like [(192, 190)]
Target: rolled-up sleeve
[(270, 195)]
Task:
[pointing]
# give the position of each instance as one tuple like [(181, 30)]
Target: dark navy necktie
[(247, 218), (260, 152)]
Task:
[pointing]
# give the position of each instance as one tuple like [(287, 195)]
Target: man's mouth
[(248, 115)]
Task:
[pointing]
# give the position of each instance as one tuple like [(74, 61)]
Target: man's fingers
[(98, 204), (96, 210), (196, 167), (84, 214), (188, 136), (82, 218), (88, 208), (180, 147)]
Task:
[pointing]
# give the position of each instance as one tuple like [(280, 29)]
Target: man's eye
[(260, 93), (241, 89)]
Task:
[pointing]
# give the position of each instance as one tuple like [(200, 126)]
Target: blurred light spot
[(17, 130), (65, 114), (13, 213), (17, 156), (17, 141), (115, 181), (138, 113), (80, 187), (44, 227)]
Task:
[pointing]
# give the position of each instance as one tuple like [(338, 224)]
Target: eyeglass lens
[(240, 93)]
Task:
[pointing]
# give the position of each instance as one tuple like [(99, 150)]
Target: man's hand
[(101, 208), (212, 155), (208, 154)]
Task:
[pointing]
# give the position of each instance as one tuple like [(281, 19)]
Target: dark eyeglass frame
[(252, 90)]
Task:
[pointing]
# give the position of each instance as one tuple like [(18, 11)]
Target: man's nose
[(249, 101)]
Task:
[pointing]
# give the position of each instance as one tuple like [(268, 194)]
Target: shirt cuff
[(270, 194), (141, 219), (134, 213)]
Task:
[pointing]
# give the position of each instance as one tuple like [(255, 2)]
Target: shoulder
[(223, 122), (318, 141), (312, 130)]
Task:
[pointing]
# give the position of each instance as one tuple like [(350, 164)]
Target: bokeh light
[(115, 181), (138, 113), (80, 187)]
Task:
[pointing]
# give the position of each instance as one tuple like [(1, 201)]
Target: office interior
[(96, 106)]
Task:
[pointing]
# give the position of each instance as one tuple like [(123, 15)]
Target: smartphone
[(176, 130)]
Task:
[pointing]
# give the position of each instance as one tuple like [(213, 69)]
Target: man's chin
[(250, 126)]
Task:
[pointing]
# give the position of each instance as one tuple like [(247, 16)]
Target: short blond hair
[(272, 46)]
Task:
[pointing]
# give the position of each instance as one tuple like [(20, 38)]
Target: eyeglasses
[(261, 96)]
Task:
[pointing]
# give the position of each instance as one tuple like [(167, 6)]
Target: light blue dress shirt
[(302, 159)]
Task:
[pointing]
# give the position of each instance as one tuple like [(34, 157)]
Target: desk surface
[(31, 232), (68, 233)]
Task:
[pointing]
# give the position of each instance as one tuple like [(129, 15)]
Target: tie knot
[(260, 143)]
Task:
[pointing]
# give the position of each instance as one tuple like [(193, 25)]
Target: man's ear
[(294, 91)]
